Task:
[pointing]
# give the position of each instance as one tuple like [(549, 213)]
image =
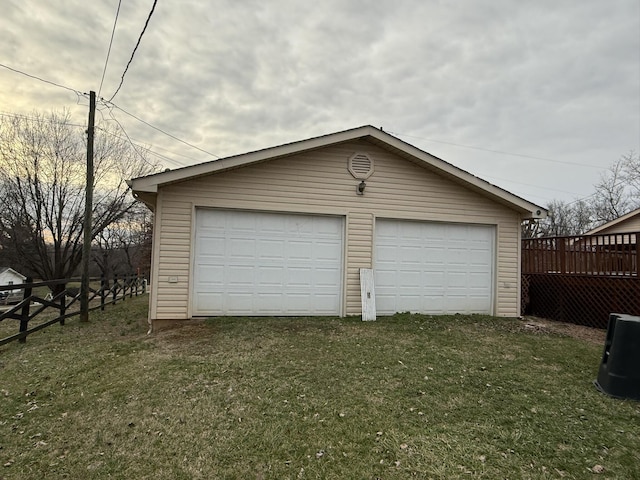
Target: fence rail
[(607, 255), (581, 279), (62, 301)]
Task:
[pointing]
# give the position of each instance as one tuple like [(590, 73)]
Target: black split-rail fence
[(32, 309)]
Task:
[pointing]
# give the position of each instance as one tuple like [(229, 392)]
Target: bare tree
[(612, 197), (565, 218), (43, 160), (125, 246), (631, 167), (617, 193)]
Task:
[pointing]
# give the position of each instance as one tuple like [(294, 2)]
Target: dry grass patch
[(404, 397)]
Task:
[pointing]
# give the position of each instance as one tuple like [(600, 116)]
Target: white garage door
[(433, 268), (254, 263)]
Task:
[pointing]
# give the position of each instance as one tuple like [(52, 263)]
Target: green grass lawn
[(296, 398)]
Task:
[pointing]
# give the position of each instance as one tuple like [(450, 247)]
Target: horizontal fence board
[(611, 254), (30, 306)]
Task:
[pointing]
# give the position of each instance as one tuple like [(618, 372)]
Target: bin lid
[(625, 317)]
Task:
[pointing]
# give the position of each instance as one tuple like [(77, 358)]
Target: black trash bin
[(619, 374)]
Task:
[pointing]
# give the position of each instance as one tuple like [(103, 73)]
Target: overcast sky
[(536, 97)]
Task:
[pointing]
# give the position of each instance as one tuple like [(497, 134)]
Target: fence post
[(102, 291), (115, 288), (24, 316), (637, 235), (137, 283), (125, 280), (133, 282), (562, 250), (63, 303)]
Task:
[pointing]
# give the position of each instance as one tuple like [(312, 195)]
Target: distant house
[(629, 223), (8, 276), (616, 244)]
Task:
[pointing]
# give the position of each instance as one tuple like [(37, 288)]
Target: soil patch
[(543, 325)]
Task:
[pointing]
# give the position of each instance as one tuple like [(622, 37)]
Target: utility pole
[(88, 209)]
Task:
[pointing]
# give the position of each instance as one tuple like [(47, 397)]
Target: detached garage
[(286, 230)]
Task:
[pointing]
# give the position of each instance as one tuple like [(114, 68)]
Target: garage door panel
[(409, 279), (457, 280), (208, 301), (433, 280), (240, 223), (478, 280), (299, 251), (267, 263), (409, 256), (326, 252), (272, 276), (212, 274), (326, 278), (299, 277), (273, 224), (270, 249), (388, 252), (433, 267), (213, 246), (385, 277), (236, 303)]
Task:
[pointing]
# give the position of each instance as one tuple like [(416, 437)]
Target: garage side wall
[(319, 182)]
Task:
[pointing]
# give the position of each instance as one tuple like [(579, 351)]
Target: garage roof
[(146, 187)]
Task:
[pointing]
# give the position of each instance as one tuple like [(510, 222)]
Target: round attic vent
[(360, 165)]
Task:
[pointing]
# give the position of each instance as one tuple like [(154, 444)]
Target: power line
[(177, 162), (533, 157), (137, 146), (132, 141), (134, 49), (163, 132), (77, 92), (576, 199), (528, 184), (38, 120), (140, 143), (106, 62), (168, 159)]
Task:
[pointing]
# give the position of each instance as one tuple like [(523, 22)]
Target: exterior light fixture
[(360, 188)]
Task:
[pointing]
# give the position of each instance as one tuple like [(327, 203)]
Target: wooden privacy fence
[(62, 302), (581, 279)]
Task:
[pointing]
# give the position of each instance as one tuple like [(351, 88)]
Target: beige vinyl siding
[(508, 268), (359, 252), (631, 225), (173, 259), (319, 182)]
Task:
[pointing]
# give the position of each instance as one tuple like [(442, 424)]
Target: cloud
[(553, 79)]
